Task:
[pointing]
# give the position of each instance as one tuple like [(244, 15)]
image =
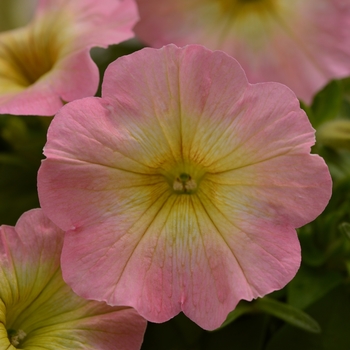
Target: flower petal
[(134, 238), (303, 44), (48, 61), (93, 23), (38, 302), (184, 261)]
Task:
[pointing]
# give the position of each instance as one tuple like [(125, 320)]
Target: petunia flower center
[(24, 59), (184, 183), (184, 178), (16, 337), (237, 6)]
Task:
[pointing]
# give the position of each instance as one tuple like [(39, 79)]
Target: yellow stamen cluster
[(184, 178), (184, 184), (16, 337)]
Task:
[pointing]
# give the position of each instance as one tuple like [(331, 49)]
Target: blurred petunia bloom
[(301, 43), (39, 311), (48, 62), (16, 13), (182, 191)]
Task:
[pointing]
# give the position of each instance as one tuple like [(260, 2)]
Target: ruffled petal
[(182, 190)]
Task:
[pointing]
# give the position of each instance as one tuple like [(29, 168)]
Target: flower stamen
[(16, 337), (184, 183)]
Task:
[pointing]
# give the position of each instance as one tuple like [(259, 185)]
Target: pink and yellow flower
[(182, 191), (48, 61), (301, 43), (39, 311)]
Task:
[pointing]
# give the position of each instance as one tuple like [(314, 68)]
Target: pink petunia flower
[(48, 61), (39, 311), (301, 43), (182, 186)]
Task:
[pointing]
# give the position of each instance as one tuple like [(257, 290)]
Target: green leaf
[(310, 285), (327, 103), (334, 134), (242, 308), (332, 312), (288, 313)]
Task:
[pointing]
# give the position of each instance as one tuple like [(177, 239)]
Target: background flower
[(16, 13), (39, 311), (48, 61), (182, 191), (301, 43)]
